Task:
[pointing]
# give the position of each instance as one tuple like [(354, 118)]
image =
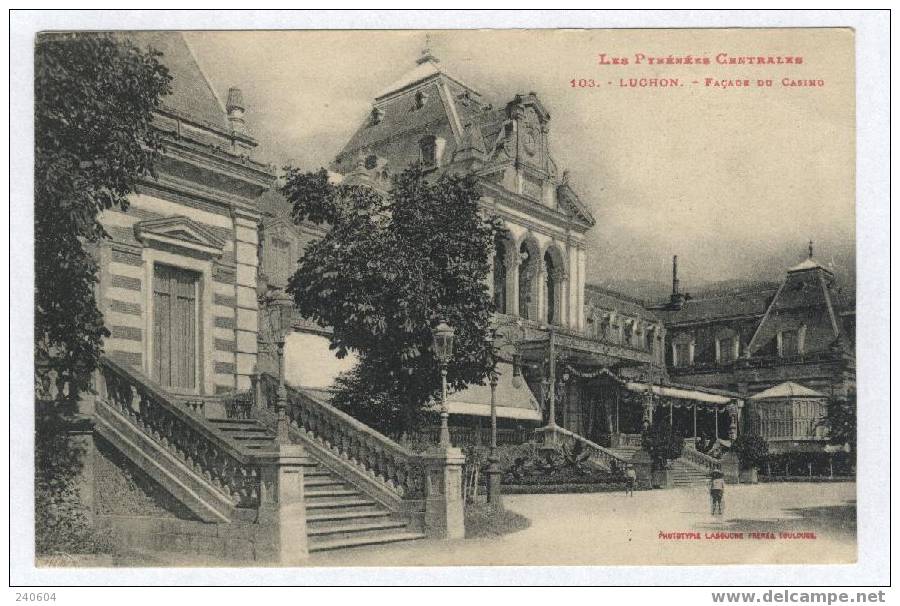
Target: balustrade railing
[(600, 455), (176, 428), (700, 459), (374, 454)]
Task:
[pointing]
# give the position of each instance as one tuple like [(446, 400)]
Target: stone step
[(339, 503), (358, 529), (380, 539), (325, 517), (321, 481), (332, 492)]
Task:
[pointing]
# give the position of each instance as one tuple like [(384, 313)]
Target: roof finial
[(426, 52), (810, 249)]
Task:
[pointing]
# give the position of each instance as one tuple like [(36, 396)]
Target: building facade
[(178, 278), (802, 331)]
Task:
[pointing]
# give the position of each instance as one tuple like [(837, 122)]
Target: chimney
[(675, 275), (234, 107), (676, 299)]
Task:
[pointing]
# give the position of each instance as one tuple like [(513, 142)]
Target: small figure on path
[(716, 491), (630, 478)]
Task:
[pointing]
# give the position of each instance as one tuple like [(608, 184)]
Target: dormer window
[(421, 98), (428, 148), (683, 351), (371, 161), (790, 342), (377, 115)]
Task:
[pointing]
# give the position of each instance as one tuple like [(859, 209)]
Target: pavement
[(777, 523)]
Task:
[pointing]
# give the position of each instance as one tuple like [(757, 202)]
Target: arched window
[(500, 273), (550, 279), (525, 275)]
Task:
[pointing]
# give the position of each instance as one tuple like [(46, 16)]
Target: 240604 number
[(35, 597)]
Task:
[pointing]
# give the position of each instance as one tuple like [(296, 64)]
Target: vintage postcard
[(471, 297)]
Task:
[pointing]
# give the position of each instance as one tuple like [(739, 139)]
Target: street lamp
[(443, 348), (493, 472), (279, 317)]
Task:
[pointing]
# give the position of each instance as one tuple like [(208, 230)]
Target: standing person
[(630, 478), (717, 491)]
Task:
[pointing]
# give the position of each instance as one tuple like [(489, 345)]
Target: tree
[(391, 265), (840, 420), (94, 98), (661, 442)]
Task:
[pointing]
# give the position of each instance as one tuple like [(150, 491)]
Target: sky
[(735, 181)]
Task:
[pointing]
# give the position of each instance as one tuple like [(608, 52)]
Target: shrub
[(752, 450)]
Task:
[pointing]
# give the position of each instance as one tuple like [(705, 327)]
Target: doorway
[(175, 328)]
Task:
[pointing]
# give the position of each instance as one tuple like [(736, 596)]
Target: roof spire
[(810, 249), (426, 52)]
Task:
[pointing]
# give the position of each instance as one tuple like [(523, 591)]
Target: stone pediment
[(179, 232)]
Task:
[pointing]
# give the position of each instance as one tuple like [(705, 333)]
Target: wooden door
[(175, 328)]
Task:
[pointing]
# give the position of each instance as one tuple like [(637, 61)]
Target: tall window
[(524, 281), (790, 343), (280, 261), (428, 147), (500, 273), (727, 346), (550, 277), (683, 351)]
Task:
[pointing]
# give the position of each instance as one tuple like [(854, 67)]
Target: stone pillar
[(282, 511), (643, 469), (444, 507), (730, 468), (246, 314)]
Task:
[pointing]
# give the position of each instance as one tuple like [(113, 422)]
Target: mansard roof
[(478, 131), (192, 93), (601, 298), (751, 302)]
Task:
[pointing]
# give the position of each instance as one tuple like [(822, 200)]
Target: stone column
[(643, 469), (444, 507), (282, 511), (730, 468)]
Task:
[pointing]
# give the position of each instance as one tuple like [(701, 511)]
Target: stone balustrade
[(372, 453), (599, 455), (176, 427), (699, 459)]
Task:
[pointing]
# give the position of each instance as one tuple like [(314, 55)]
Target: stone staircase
[(685, 473), (338, 515), (624, 452), (220, 459)]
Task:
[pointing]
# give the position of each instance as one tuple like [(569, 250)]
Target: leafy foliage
[(841, 421), (62, 520), (94, 95), (752, 450), (661, 442), (389, 268)]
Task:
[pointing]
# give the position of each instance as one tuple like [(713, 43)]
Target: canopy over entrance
[(513, 398), (684, 393)]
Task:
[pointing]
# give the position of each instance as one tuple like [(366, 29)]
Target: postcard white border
[(873, 296)]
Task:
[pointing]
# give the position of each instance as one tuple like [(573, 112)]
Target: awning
[(680, 393), (513, 397)]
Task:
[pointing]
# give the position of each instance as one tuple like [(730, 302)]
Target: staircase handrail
[(606, 456), (172, 425), (383, 459), (701, 459)]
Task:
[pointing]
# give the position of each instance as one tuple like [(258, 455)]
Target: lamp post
[(279, 316), (443, 348), (494, 472)]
